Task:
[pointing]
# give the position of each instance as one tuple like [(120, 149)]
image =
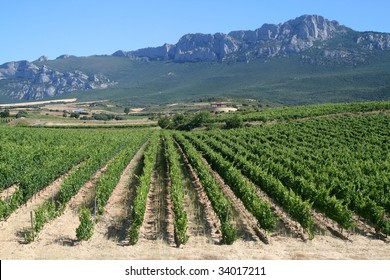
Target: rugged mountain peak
[(311, 27), (306, 27), (269, 40), (204, 47), (18, 69)]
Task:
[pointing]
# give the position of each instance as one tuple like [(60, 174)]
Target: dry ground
[(322, 247), (52, 242), (34, 103)]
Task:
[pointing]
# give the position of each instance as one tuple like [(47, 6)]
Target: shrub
[(85, 229), (21, 114)]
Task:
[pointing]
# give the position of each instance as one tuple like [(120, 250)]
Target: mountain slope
[(306, 60), (286, 80)]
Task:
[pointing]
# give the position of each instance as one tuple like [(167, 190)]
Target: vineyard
[(127, 189)]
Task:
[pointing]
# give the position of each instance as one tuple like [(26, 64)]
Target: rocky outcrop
[(28, 81), (294, 36), (65, 56), (270, 40), (201, 47), (374, 41), (164, 52)]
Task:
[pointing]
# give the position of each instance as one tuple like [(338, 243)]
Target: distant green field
[(133, 117), (43, 116)]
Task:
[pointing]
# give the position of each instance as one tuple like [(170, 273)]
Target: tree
[(179, 119), (164, 122), (75, 115), (234, 122), (103, 117), (199, 119), (5, 114), (127, 110)]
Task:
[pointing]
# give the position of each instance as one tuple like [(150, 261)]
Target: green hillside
[(287, 80)]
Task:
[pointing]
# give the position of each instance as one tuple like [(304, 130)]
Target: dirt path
[(70, 100), (195, 215), (158, 219), (12, 230), (211, 222), (366, 230), (281, 248), (196, 226), (149, 226), (327, 226), (245, 222), (115, 221), (286, 225), (8, 192)]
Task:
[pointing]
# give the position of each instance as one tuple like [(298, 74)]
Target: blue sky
[(31, 28)]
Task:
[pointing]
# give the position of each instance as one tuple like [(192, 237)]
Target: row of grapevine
[(350, 159), (297, 112), (221, 205), (318, 196), (71, 185), (109, 179), (339, 164), (28, 156), (242, 188), (107, 183), (33, 161), (139, 204), (176, 190), (292, 203)]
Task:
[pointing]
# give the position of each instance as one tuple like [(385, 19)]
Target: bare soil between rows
[(116, 218), (158, 219)]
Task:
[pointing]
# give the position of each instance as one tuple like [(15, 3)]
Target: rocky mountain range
[(27, 81), (315, 39), (270, 40)]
